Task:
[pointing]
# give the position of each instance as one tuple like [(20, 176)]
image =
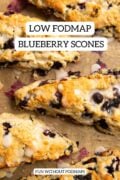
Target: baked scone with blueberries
[(88, 100), (25, 138), (103, 166), (14, 26), (104, 13)]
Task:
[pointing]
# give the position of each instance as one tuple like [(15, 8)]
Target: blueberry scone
[(24, 138), (89, 100), (14, 26), (104, 13), (103, 166)]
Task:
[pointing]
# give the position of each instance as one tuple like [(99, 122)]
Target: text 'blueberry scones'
[(103, 166), (104, 13), (23, 138), (14, 26), (89, 100)]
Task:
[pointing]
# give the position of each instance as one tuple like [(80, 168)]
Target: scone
[(104, 166), (88, 100), (104, 13), (24, 138), (14, 26)]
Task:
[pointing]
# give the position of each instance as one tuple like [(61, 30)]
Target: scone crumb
[(1, 85), (60, 87)]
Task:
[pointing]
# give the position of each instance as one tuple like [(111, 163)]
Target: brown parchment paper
[(87, 136)]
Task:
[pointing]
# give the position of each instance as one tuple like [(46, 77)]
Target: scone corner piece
[(25, 138)]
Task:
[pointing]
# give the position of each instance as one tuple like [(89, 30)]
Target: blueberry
[(70, 6), (114, 166), (80, 177), (92, 160), (57, 65), (76, 73), (41, 72), (106, 106), (41, 111), (8, 13), (76, 58), (43, 83), (7, 126), (49, 133), (82, 5), (77, 142), (110, 169), (86, 114), (7, 64), (110, 104), (97, 97), (9, 44), (57, 104), (102, 123), (23, 103), (110, 5), (70, 148)]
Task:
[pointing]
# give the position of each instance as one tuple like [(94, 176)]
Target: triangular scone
[(104, 166), (104, 13), (14, 26), (87, 100), (24, 138)]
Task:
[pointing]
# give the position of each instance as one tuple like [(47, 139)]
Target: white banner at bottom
[(59, 171)]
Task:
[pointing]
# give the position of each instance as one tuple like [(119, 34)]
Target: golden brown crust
[(24, 138), (14, 26), (75, 98), (104, 166), (105, 13)]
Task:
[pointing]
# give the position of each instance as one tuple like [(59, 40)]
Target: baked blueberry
[(57, 65), (49, 133), (82, 5), (7, 126), (9, 44), (80, 177), (86, 114), (102, 123), (57, 104), (41, 72), (41, 111), (70, 148), (92, 160), (76, 73), (97, 97), (24, 102)]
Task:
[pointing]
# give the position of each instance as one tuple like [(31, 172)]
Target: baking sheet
[(87, 136)]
